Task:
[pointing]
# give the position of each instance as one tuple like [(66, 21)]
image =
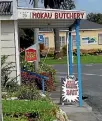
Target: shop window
[(100, 39)]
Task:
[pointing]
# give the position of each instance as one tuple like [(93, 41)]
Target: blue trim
[(77, 24), (37, 75), (70, 54)]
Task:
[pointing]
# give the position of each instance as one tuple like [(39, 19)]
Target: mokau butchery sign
[(70, 89)]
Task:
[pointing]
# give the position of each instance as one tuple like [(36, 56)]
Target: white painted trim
[(74, 30), (17, 51), (1, 116), (49, 9)]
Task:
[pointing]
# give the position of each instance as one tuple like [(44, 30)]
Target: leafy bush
[(7, 82), (50, 72), (48, 53), (44, 69), (64, 50), (84, 52), (28, 92)]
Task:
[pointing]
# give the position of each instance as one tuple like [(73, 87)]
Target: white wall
[(8, 44)]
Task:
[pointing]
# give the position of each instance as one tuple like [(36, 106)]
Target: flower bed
[(27, 78)]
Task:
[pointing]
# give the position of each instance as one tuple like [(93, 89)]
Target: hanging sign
[(30, 55), (70, 89)]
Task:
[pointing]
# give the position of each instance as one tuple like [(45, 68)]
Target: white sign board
[(70, 90), (50, 14)]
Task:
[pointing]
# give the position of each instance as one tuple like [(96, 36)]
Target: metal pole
[(36, 33), (78, 61), (1, 114), (67, 56), (70, 53)]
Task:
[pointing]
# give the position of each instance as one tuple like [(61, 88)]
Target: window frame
[(47, 42), (98, 38), (61, 45)]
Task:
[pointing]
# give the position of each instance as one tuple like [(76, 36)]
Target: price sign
[(30, 55), (70, 89)]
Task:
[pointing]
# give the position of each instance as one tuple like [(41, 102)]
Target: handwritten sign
[(30, 55), (70, 89)]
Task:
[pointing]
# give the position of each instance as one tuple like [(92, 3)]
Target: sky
[(87, 5)]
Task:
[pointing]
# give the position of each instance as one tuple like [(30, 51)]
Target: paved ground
[(92, 85)]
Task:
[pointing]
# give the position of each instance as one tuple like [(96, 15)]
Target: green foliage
[(25, 65), (9, 118), (28, 92), (68, 5), (47, 68), (64, 50), (84, 52), (95, 17), (45, 109), (7, 82)]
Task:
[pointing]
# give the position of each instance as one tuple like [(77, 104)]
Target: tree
[(95, 17), (58, 4)]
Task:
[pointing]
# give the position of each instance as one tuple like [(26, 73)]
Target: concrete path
[(74, 112)]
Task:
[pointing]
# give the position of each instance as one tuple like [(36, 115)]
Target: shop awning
[(44, 18)]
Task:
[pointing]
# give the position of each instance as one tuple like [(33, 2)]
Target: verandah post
[(77, 24), (70, 52)]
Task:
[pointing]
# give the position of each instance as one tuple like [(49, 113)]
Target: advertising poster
[(30, 55), (70, 89), (89, 40)]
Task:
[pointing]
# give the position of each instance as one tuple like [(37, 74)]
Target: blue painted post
[(78, 61), (70, 53), (43, 86)]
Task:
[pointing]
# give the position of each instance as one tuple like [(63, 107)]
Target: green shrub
[(28, 92), (64, 50), (84, 52), (46, 109), (50, 54), (7, 82)]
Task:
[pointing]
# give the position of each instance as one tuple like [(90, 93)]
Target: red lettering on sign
[(82, 15), (33, 15), (71, 84), (71, 92), (58, 15)]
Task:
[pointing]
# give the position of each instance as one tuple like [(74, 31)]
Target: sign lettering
[(57, 15)]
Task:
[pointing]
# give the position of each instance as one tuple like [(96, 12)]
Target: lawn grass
[(84, 60), (44, 108)]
